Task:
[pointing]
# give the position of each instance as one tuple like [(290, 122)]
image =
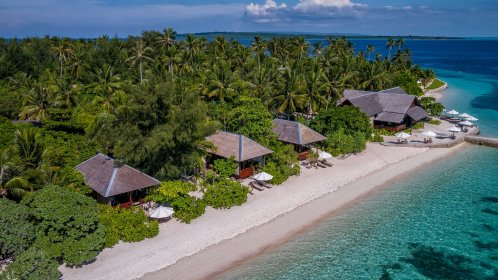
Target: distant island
[(306, 35)]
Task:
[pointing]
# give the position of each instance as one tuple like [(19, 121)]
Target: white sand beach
[(313, 195)]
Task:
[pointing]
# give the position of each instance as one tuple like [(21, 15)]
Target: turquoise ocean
[(440, 222)]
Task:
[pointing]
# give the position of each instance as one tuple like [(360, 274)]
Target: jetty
[(480, 140)]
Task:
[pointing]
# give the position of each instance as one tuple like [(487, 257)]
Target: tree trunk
[(141, 72)]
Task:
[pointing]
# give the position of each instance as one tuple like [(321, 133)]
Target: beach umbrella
[(263, 176), (452, 112), (324, 155), (466, 123), (429, 133), (402, 134), (464, 115), (472, 119), (161, 212), (455, 129)]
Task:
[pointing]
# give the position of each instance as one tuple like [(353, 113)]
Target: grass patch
[(436, 83)]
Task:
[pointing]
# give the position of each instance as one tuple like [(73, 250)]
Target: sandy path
[(177, 241)]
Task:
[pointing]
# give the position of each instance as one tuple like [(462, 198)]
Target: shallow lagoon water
[(440, 222)]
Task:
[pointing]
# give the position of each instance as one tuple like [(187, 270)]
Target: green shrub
[(226, 194), (66, 224), (188, 208), (340, 143), (33, 264), (434, 122), (128, 225), (280, 172), (16, 231), (169, 191), (408, 82), (282, 163), (377, 138), (349, 119), (225, 168), (419, 125), (432, 107)]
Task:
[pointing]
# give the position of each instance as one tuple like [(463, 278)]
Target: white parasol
[(263, 176), (452, 112), (402, 134), (429, 133), (455, 129), (161, 212)]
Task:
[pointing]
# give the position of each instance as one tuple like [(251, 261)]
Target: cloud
[(303, 11), (310, 5), (265, 9)]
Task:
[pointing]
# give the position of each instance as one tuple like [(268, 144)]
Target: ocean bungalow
[(115, 183), (297, 134), (246, 152), (392, 109)]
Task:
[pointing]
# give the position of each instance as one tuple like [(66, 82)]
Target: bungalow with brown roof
[(298, 134), (115, 183), (244, 151), (392, 109)]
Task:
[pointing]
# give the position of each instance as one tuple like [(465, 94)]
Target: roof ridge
[(111, 181)]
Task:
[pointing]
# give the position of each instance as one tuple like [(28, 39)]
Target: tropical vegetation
[(150, 101)]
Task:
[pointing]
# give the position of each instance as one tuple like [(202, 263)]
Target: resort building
[(114, 183), (246, 152), (298, 134), (392, 109)]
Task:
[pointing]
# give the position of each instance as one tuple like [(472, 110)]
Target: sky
[(93, 18)]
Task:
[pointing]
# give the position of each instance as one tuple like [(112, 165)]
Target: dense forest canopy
[(151, 100)]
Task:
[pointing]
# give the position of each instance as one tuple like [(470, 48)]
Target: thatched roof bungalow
[(113, 182), (296, 133), (392, 109), (242, 149)]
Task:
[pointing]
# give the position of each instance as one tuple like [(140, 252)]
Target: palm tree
[(300, 47), (167, 39), (317, 87), (259, 47), (291, 92), (65, 94), (194, 47), (222, 82), (370, 50), (107, 88), (400, 42), (35, 103), (62, 50), (389, 45), (140, 54), (77, 61), (28, 146)]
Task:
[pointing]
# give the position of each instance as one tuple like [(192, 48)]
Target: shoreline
[(437, 92), (178, 242), (216, 259)]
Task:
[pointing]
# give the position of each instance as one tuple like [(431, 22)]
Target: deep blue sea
[(440, 222)]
